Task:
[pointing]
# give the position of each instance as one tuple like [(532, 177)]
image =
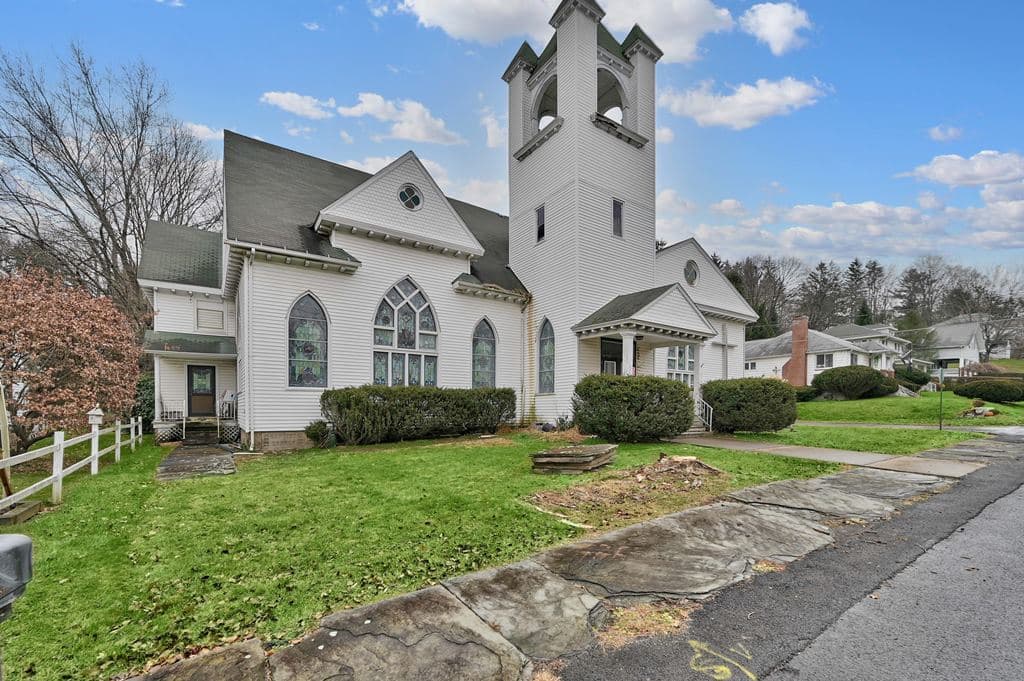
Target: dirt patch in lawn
[(625, 625), (622, 497)]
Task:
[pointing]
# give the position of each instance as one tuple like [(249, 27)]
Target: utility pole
[(942, 390)]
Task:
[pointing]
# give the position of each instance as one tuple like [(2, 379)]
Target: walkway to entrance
[(194, 461)]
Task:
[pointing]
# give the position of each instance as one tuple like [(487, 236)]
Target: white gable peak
[(401, 202)]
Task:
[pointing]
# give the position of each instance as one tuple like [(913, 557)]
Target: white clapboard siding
[(350, 302), (712, 288), (178, 312), (173, 386)]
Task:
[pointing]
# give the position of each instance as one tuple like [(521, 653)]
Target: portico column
[(628, 367)]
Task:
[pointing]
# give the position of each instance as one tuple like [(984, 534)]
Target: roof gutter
[(346, 266)]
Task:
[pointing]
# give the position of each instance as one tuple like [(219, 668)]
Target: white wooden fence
[(60, 445)]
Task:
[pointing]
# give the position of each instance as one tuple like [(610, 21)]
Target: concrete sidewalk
[(947, 466), (496, 624)]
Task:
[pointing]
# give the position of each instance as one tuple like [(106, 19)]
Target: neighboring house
[(800, 354), (326, 276), (880, 340), (957, 344)]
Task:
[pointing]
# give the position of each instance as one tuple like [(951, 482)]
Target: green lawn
[(923, 410), (1014, 365), (881, 440), (128, 569)]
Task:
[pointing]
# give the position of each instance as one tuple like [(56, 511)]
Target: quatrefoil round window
[(410, 197)]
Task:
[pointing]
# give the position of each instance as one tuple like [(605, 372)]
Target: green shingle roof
[(637, 35), (168, 341), (181, 255), (624, 307)]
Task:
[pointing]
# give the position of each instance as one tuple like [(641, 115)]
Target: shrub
[(806, 393), (908, 374), (632, 408), (852, 382), (999, 391), (145, 401), (372, 414), (913, 387), (887, 387), (753, 405), (320, 434)]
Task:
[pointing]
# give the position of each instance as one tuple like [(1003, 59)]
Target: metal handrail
[(706, 414)]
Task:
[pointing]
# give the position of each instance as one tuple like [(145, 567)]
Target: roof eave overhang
[(191, 355), (175, 287), (729, 315), (493, 292), (238, 249), (640, 326), (327, 223)]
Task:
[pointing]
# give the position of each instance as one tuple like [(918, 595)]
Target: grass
[(129, 570), (923, 410), (1012, 365), (881, 440)]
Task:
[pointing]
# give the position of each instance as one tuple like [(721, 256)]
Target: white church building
[(325, 276)]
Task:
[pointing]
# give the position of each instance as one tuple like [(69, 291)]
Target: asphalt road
[(933, 594)]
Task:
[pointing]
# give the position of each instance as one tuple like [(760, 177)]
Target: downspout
[(251, 258)]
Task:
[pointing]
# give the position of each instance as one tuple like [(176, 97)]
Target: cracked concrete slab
[(189, 461), (646, 560), (427, 634), (834, 455), (754, 532), (539, 612), (881, 484), (916, 464), (243, 661), (814, 495)]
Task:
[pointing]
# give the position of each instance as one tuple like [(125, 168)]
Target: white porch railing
[(705, 413), (57, 449), (227, 410)]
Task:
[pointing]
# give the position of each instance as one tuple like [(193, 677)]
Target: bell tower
[(581, 177)]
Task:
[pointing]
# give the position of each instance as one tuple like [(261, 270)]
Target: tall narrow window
[(307, 344), (682, 364), (485, 355), (405, 338), (617, 217), (540, 224), (546, 359)]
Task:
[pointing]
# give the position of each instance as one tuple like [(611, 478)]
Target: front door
[(202, 391)]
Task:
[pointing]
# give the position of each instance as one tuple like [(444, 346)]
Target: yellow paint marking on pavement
[(720, 669)]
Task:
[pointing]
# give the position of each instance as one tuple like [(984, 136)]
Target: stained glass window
[(484, 355), (546, 355), (404, 321), (682, 364), (307, 344)]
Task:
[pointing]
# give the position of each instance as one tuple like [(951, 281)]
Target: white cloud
[(491, 194), (1003, 192), (731, 207), (669, 201), (171, 3), (345, 137), (664, 135), (868, 214), (671, 209), (776, 24), (945, 133), (999, 214), (311, 26), (410, 120), (377, 9), (677, 26), (484, 21), (300, 105), (929, 201), (985, 167), (205, 132), (746, 106), (296, 130), (496, 133), (370, 164)]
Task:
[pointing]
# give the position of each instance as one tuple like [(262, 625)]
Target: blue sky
[(818, 129)]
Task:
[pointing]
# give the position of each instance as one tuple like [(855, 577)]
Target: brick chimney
[(795, 370)]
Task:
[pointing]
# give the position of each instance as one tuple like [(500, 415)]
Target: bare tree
[(85, 161)]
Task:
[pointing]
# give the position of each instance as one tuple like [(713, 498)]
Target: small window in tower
[(691, 272), (540, 224), (616, 217)]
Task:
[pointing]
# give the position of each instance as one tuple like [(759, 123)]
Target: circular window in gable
[(410, 197), (692, 272)]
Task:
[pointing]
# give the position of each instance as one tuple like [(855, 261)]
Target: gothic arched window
[(485, 355), (307, 344), (405, 338), (546, 359)]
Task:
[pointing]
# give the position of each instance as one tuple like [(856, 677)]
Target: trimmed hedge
[(751, 405), (852, 382), (1001, 392), (908, 374), (887, 387), (372, 414), (807, 393), (632, 408)]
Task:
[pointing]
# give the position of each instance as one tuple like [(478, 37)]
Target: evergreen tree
[(820, 296), (864, 316)]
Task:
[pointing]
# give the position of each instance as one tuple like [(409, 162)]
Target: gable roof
[(720, 297), (273, 195), (782, 345), (633, 306), (181, 255), (955, 335), (849, 331), (624, 306)]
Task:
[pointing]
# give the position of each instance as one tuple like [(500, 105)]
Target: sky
[(824, 130)]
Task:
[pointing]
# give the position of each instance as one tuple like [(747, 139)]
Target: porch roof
[(173, 343), (665, 310)]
